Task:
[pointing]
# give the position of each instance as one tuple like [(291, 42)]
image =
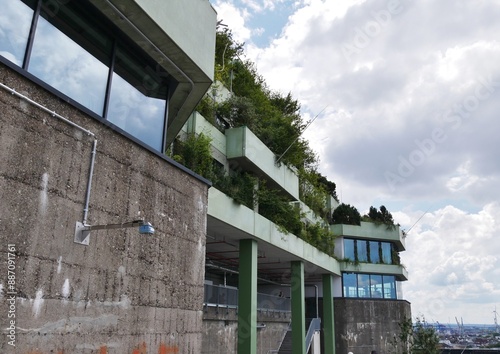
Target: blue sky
[(412, 97)]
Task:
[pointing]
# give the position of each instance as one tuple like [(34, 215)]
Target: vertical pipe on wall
[(89, 183)]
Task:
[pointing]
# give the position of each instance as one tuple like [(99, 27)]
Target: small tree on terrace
[(346, 214)]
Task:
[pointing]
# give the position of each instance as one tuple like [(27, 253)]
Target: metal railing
[(224, 296), (314, 326)]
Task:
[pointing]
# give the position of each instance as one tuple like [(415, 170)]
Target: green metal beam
[(298, 308), (247, 298), (328, 314)]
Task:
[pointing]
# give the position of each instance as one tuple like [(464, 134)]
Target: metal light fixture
[(82, 231)]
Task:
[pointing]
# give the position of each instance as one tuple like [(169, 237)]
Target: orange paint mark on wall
[(103, 350), (141, 350), (167, 350)]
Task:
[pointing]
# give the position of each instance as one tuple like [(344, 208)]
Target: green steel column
[(328, 314), (247, 298), (298, 309)]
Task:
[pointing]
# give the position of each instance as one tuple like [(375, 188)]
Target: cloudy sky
[(411, 120)]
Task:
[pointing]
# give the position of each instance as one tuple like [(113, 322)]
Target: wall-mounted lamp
[(82, 232)]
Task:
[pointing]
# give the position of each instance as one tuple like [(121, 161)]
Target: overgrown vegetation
[(418, 338), (275, 119), (346, 214), (382, 216), (194, 153)]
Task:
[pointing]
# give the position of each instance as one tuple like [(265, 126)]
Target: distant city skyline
[(412, 95)]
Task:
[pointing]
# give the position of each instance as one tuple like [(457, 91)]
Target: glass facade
[(15, 24), (349, 250), (68, 67), (73, 50), (368, 251), (375, 286), (386, 249)]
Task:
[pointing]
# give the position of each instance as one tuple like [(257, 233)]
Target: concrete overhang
[(180, 36), (371, 231), (229, 222), (398, 271), (245, 148)]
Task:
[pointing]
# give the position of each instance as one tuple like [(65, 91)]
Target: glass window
[(389, 287), (64, 64), (374, 252), (362, 251), (15, 24), (376, 288), (138, 99), (386, 252), (349, 249), (350, 285), (363, 285)]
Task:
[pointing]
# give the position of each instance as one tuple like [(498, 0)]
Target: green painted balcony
[(371, 231), (229, 222), (244, 148)]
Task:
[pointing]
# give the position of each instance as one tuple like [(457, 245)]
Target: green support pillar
[(247, 298), (298, 309), (328, 314)]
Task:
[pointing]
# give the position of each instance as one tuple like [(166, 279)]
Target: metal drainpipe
[(89, 184), (66, 120)]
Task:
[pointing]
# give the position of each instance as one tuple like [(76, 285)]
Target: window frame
[(118, 37), (393, 289)]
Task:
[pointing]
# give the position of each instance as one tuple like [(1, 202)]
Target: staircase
[(312, 325)]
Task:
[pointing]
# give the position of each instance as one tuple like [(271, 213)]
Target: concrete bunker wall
[(363, 325), (220, 330), (125, 292)]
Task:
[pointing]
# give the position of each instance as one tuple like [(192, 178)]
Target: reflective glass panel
[(137, 100), (363, 285), (15, 24), (374, 255), (349, 249), (389, 287), (350, 286), (362, 251), (376, 288), (386, 252), (65, 65)]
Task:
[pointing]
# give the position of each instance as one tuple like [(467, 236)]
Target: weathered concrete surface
[(365, 325), (124, 293), (220, 330)]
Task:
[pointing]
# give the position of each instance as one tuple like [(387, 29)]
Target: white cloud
[(453, 262), (234, 18), (418, 97)]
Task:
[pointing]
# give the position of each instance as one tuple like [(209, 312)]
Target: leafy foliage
[(195, 154), (383, 216), (321, 237), (275, 119), (346, 214), (312, 192), (238, 185), (418, 338), (275, 207), (425, 338)]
